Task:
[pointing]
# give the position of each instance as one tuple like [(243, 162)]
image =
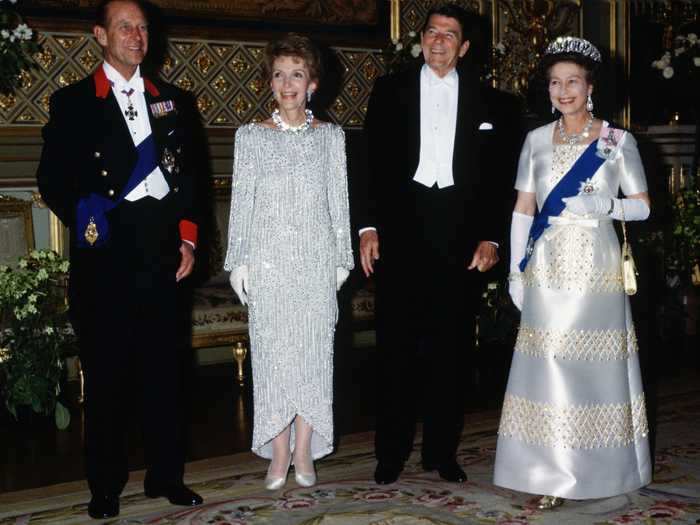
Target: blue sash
[(584, 167), (95, 207)]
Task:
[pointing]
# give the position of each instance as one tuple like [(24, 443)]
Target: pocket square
[(485, 126)]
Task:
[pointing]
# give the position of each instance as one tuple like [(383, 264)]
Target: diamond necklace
[(281, 124), (575, 138)]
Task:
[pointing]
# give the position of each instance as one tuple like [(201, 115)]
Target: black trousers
[(425, 307), (124, 305)]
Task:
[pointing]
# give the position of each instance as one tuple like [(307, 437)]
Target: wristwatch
[(612, 206)]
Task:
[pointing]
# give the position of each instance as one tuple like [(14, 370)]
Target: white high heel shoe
[(276, 483), (305, 479)]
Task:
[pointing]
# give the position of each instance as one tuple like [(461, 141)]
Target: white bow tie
[(448, 80), (136, 83)]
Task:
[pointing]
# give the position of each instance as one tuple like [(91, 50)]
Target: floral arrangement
[(679, 242), (35, 336), (402, 53), (17, 46), (683, 60)]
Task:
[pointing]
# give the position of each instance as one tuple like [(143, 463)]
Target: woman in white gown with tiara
[(573, 423)]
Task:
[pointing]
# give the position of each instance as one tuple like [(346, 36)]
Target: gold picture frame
[(16, 229)]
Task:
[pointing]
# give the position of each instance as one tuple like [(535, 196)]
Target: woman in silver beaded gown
[(573, 423), (289, 251)]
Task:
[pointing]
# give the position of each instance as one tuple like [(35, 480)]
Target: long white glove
[(239, 282), (634, 209), (519, 234), (341, 275)]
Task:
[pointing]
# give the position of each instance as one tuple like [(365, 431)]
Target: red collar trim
[(151, 87), (102, 84)]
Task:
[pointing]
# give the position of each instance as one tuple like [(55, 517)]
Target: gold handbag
[(629, 269)]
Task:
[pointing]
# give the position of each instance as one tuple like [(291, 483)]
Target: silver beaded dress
[(574, 420), (290, 225)]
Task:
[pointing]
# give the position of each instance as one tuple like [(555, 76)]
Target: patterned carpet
[(232, 487)]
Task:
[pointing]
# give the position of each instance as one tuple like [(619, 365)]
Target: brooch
[(608, 142), (588, 187)]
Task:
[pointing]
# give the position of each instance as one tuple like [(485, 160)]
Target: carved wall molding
[(225, 77)]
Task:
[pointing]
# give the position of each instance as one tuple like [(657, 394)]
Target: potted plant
[(35, 336), (18, 44)]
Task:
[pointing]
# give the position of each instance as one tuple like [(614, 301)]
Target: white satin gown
[(574, 420)]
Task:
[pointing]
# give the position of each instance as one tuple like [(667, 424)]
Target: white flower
[(5, 33), (696, 61), (501, 48), (692, 38), (394, 41), (679, 51), (415, 50), (48, 330), (42, 274), (23, 32), (412, 34), (399, 46), (492, 286), (667, 72)]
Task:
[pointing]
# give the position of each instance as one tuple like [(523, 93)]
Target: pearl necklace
[(575, 138), (281, 124)]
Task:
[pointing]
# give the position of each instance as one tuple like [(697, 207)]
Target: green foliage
[(679, 240), (17, 46), (35, 336)]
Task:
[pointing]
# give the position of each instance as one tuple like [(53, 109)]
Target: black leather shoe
[(386, 473), (449, 471), (176, 494), (102, 507)]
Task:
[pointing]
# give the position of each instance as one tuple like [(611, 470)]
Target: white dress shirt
[(438, 122), (154, 185)]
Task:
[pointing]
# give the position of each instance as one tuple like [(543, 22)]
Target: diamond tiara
[(572, 44)]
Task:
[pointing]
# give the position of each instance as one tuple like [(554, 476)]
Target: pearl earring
[(553, 109), (589, 104), (308, 95)]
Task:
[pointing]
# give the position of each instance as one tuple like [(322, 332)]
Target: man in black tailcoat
[(432, 211), (115, 170)]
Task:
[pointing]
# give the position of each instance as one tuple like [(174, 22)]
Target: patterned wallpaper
[(225, 76), (413, 11)]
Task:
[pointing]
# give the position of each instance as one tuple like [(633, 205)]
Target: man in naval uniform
[(431, 210), (115, 170)]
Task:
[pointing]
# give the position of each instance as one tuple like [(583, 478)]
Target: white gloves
[(239, 282), (341, 274), (634, 209), (519, 234)]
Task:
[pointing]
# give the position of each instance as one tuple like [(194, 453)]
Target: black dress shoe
[(176, 494), (449, 471), (102, 507), (386, 473)]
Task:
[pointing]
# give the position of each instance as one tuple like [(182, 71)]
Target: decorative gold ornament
[(529, 26), (239, 354), (91, 233)]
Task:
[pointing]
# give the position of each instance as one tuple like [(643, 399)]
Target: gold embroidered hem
[(580, 345), (581, 427), (592, 280)]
